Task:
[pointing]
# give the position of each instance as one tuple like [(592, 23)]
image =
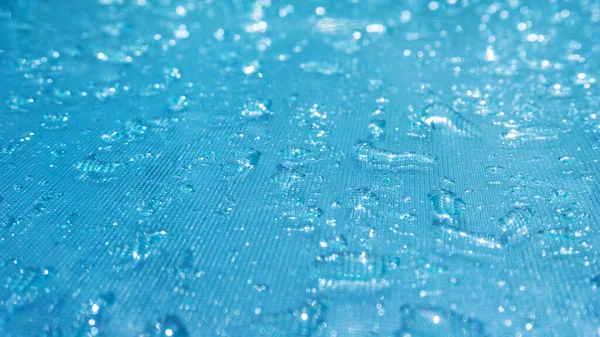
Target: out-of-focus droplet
[(437, 322), (348, 270), (256, 109)]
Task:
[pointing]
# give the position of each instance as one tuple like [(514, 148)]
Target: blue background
[(238, 168)]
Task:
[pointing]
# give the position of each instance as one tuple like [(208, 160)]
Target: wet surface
[(300, 168)]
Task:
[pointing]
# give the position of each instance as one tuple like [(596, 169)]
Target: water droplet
[(447, 121), (246, 160), (369, 155), (348, 270), (297, 156), (495, 169), (15, 145), (151, 206), (532, 133), (55, 121), (256, 109), (111, 137), (28, 284), (7, 222), (336, 242), (560, 243), (19, 103), (186, 188), (363, 199), (226, 206), (95, 169), (448, 181), (296, 210), (93, 315), (144, 246), (445, 203), (454, 240), (567, 159), (516, 222), (134, 129), (376, 128), (286, 180), (177, 103)]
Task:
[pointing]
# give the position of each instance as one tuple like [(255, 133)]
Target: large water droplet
[(447, 121), (348, 270), (374, 157), (445, 203), (516, 222)]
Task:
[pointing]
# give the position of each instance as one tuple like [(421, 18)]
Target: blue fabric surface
[(299, 168)]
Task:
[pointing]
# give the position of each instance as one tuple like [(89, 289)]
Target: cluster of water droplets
[(182, 168)]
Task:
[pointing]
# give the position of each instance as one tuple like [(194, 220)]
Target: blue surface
[(330, 168)]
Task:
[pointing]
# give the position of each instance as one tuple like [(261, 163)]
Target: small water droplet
[(495, 169), (177, 103), (186, 188)]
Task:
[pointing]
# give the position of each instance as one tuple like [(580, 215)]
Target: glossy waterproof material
[(299, 168)]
